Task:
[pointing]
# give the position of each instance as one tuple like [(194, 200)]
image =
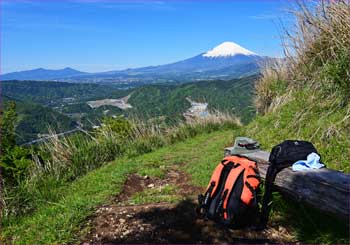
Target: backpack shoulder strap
[(215, 178), (230, 182), (251, 179), (204, 200)]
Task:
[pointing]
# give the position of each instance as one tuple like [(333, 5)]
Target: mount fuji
[(225, 61)]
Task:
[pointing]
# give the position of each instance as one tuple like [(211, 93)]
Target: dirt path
[(164, 222)]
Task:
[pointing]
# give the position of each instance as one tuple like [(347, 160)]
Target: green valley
[(163, 103)]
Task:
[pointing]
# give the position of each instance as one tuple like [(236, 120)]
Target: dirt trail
[(121, 222)]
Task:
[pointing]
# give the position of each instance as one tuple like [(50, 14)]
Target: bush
[(15, 164), (120, 127)]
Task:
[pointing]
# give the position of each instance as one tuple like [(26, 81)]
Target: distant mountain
[(226, 61), (225, 55), (42, 74)]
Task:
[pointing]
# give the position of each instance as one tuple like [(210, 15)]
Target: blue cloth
[(312, 162)]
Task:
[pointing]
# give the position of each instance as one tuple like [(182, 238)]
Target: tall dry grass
[(270, 89), (321, 36), (317, 50)]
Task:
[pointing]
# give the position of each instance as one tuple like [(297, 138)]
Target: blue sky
[(91, 35)]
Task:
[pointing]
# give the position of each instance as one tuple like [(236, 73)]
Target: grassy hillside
[(308, 115), (59, 161), (60, 220), (308, 97)]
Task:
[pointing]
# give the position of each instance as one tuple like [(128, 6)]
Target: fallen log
[(324, 189)]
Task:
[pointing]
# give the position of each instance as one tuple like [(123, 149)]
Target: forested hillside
[(53, 93), (34, 119), (233, 97), (61, 105)]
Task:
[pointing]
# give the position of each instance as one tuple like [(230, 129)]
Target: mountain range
[(42, 74), (226, 61)]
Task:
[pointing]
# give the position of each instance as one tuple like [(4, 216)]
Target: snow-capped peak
[(227, 49)]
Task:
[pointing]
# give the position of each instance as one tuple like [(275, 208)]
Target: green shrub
[(120, 127), (15, 163), (14, 160)]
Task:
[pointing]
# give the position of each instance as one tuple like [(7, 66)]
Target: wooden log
[(324, 189)]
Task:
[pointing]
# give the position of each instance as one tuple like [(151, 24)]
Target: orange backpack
[(231, 196)]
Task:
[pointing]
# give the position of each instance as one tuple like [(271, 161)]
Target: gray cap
[(242, 145)]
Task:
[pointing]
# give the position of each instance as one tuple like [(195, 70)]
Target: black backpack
[(282, 156)]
